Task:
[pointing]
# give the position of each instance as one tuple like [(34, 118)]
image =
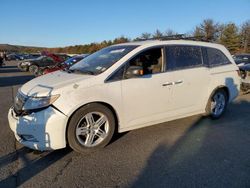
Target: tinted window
[(179, 57), (216, 57)]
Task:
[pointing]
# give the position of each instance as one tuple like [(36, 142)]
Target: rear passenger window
[(180, 57), (216, 57)]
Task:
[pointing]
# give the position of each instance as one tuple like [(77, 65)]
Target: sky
[(58, 23)]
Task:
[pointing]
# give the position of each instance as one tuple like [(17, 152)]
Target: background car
[(14, 57), (31, 56), (59, 66), (33, 65), (242, 59), (245, 77)]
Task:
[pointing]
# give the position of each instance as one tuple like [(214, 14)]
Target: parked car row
[(49, 62), (33, 65)]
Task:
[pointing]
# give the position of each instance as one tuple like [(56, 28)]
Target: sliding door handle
[(178, 82)]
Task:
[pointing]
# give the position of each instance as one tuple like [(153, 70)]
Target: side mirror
[(134, 71)]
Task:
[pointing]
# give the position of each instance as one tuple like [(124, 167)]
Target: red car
[(63, 65)]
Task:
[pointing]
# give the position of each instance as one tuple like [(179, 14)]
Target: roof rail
[(176, 37)]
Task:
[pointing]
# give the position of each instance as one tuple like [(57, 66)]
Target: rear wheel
[(90, 128), (217, 104)]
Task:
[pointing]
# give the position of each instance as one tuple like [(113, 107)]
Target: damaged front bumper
[(43, 130)]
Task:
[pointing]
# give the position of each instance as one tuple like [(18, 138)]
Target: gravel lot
[(190, 152)]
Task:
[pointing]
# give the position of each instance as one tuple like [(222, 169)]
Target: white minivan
[(123, 87)]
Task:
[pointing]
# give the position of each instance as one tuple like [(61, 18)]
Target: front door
[(147, 99)]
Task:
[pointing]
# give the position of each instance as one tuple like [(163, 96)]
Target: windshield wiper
[(80, 71)]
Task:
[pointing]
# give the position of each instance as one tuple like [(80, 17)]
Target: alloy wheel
[(218, 104), (92, 129)]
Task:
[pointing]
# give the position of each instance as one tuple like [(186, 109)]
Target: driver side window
[(150, 61)]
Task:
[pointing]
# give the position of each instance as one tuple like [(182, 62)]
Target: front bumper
[(43, 130)]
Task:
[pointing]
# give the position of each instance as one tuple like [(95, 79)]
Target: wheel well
[(102, 103), (113, 111), (213, 92), (226, 90), (223, 88)]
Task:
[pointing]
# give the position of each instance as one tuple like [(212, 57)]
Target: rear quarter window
[(214, 57)]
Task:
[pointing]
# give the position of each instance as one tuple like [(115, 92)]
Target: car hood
[(51, 83)]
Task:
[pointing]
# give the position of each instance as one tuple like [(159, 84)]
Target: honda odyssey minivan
[(121, 88)]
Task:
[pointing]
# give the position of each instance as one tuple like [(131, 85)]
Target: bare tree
[(145, 36), (170, 32), (158, 34), (207, 30), (245, 36)]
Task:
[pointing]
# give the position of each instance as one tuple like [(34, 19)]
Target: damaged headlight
[(33, 103)]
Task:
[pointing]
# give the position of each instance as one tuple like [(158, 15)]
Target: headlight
[(39, 102)]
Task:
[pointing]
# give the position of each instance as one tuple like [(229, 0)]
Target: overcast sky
[(54, 23)]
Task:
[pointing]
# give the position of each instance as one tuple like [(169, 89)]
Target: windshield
[(72, 60), (101, 60)]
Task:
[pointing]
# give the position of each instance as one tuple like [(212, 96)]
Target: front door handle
[(168, 84)]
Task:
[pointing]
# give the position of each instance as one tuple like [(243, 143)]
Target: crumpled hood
[(48, 84)]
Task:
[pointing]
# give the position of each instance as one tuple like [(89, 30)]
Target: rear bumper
[(43, 130)]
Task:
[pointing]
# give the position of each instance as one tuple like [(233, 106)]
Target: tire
[(33, 69), (39, 72), (217, 104), (84, 134)]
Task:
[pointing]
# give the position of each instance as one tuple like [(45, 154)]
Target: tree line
[(235, 38)]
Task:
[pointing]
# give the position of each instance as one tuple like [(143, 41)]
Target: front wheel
[(33, 69), (217, 104), (90, 128)]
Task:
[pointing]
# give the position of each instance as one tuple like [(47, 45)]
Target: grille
[(19, 102)]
